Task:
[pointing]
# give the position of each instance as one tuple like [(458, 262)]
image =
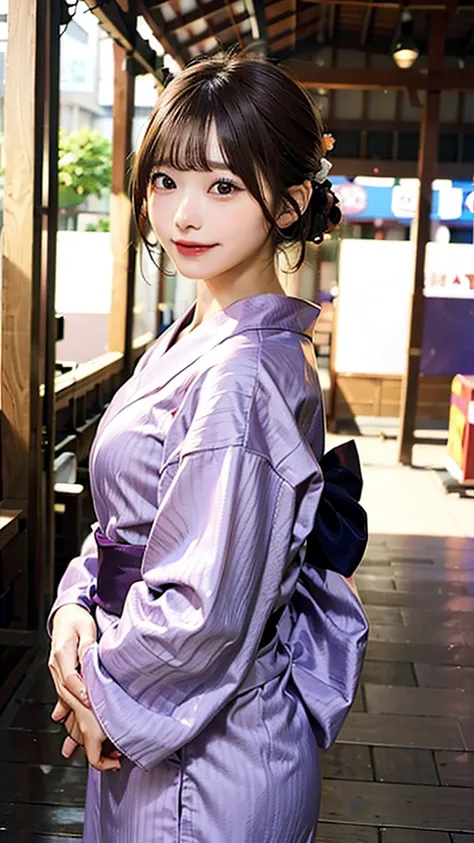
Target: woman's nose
[(189, 212)]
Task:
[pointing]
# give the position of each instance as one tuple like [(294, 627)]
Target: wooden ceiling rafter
[(204, 36), (286, 15), (333, 21), (420, 5), (211, 32), (304, 32), (260, 9), (364, 78), (232, 19), (294, 6), (118, 25), (174, 6), (207, 10), (157, 25), (367, 24), (323, 20), (469, 42), (152, 5)]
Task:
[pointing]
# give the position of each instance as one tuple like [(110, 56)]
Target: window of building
[(408, 146), (379, 145), (348, 144)]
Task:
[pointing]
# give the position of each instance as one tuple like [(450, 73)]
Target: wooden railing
[(81, 396)]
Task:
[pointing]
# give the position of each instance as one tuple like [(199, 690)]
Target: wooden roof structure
[(188, 28)]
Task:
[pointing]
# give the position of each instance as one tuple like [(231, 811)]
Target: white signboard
[(449, 271), (375, 284), (83, 272), (375, 279)]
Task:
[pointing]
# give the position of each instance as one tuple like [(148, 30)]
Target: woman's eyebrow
[(213, 165)]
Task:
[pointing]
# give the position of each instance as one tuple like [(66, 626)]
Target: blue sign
[(452, 201)]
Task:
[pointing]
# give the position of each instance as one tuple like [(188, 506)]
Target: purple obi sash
[(118, 568)]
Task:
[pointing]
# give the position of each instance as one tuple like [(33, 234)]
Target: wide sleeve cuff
[(78, 584), (145, 737)]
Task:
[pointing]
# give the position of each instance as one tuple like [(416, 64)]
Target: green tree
[(84, 165)]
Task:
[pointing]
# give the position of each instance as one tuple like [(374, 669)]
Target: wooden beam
[(211, 30), (259, 8), (119, 26), (351, 41), (363, 78), (182, 21), (366, 24), (427, 164), (304, 32), (123, 277), (333, 19), (426, 5), (216, 33), (286, 15), (469, 44), (23, 238), (157, 25), (234, 22)]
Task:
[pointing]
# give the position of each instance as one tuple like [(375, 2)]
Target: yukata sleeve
[(78, 583), (191, 629)]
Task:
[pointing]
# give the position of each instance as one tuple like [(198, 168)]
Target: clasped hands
[(74, 630)]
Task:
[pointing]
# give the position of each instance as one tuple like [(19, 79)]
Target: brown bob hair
[(269, 132)]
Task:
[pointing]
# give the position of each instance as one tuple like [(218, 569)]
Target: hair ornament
[(323, 171)]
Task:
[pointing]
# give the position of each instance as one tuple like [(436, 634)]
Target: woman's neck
[(215, 294)]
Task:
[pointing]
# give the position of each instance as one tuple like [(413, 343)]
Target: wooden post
[(123, 248), (48, 286), (427, 165), (23, 238)]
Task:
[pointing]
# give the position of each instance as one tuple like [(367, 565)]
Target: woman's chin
[(198, 268)]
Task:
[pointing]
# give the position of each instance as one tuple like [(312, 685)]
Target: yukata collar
[(265, 312)]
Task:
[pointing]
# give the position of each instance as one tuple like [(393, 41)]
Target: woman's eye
[(223, 187), (162, 182)]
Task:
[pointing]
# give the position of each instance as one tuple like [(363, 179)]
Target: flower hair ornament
[(324, 200)]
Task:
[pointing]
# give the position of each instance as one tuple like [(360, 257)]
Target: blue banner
[(453, 201)]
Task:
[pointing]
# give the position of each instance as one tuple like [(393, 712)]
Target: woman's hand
[(74, 630), (84, 730)]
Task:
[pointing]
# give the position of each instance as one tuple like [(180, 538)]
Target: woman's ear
[(301, 193)]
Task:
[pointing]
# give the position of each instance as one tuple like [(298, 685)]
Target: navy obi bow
[(339, 536)]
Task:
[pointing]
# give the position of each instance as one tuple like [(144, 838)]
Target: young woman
[(222, 659)]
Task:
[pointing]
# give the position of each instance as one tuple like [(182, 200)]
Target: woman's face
[(208, 222)]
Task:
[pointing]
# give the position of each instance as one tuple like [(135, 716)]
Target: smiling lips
[(186, 247)]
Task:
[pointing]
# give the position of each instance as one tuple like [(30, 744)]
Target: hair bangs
[(182, 141)]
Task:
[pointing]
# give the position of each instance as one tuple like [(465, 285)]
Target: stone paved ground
[(402, 770)]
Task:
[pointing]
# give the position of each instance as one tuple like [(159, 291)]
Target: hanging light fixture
[(404, 49)]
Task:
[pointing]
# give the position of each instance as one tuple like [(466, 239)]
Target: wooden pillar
[(427, 166), (123, 278), (22, 262)]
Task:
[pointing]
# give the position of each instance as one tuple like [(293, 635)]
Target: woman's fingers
[(91, 735), (93, 750), (69, 747), (60, 711), (75, 685), (70, 684), (74, 739), (63, 657)]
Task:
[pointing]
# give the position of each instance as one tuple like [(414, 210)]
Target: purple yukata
[(207, 457)]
